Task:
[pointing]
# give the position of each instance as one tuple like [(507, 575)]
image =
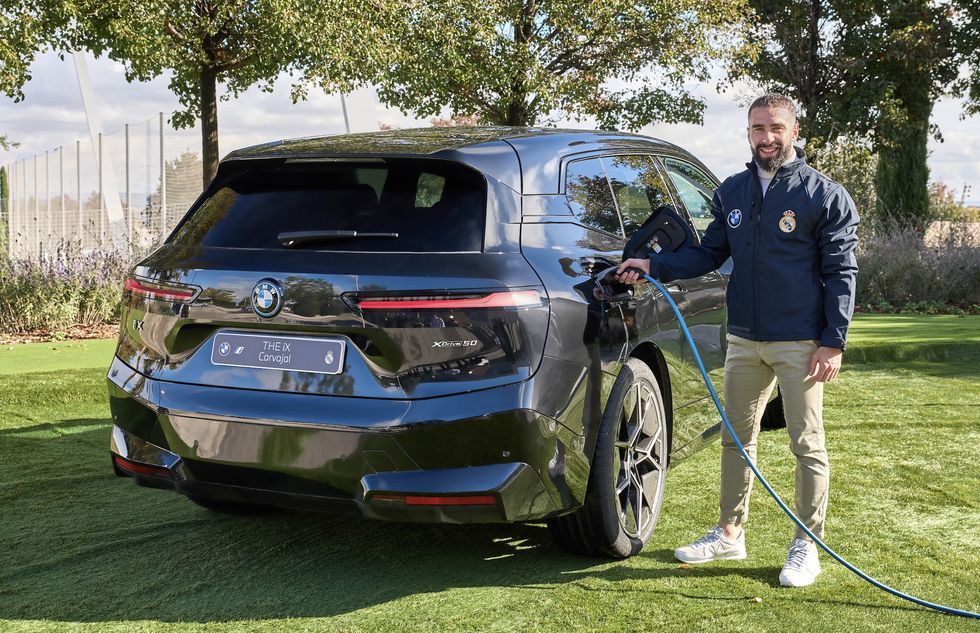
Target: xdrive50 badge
[(267, 298)]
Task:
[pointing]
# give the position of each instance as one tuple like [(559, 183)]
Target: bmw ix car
[(414, 325)]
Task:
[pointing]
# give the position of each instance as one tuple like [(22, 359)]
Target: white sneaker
[(802, 565), (712, 546)]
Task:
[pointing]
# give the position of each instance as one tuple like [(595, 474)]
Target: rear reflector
[(515, 299), (418, 500), (159, 292), (141, 469)]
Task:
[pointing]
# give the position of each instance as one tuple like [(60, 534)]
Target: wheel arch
[(651, 355)]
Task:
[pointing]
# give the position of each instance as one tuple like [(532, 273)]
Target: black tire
[(626, 482), (774, 417), (233, 507)]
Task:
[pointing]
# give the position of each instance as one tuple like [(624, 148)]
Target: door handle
[(676, 287)]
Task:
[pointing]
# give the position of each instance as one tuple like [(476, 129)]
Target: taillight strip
[(170, 294), (513, 299), (141, 469)]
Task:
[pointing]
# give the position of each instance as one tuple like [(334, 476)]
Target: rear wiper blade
[(294, 238)]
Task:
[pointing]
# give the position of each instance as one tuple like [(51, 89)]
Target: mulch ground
[(75, 332)]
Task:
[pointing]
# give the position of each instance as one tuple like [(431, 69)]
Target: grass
[(56, 356), (903, 337), (81, 550)]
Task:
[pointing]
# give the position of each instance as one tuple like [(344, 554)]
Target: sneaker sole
[(701, 561)]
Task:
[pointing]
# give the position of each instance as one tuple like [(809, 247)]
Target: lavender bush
[(59, 290), (898, 265)]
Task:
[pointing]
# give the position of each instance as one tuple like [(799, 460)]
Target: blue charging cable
[(765, 484)]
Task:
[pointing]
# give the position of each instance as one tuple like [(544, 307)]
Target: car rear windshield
[(432, 206)]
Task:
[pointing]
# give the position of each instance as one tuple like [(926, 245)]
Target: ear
[(796, 130)]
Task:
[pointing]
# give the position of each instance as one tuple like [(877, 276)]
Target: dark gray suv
[(413, 325)]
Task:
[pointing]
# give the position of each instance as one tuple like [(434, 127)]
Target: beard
[(777, 160)]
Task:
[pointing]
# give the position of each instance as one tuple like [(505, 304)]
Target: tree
[(512, 62), (234, 43), (865, 67), (796, 45), (26, 29), (966, 15), (903, 59)]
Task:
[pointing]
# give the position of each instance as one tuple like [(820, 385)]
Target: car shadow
[(81, 545)]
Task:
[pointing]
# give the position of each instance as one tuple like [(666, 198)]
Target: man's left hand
[(825, 364), (625, 276)]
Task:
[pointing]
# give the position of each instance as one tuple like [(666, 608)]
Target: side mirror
[(664, 231)]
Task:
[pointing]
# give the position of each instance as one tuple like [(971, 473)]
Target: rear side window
[(590, 196), (433, 206)]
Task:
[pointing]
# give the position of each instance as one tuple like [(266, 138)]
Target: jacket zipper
[(759, 201)]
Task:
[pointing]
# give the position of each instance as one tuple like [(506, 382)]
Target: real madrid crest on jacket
[(793, 254)]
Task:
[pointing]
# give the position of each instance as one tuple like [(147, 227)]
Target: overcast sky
[(52, 115)]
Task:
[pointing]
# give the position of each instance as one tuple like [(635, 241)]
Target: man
[(791, 234)]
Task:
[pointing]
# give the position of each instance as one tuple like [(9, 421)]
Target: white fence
[(60, 196)]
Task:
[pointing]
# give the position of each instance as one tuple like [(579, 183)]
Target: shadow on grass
[(80, 545)]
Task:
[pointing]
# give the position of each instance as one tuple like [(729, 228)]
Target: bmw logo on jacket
[(793, 254)]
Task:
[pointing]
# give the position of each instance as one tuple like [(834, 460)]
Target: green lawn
[(83, 550), (56, 356)]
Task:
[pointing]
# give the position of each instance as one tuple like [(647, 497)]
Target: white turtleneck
[(765, 177)]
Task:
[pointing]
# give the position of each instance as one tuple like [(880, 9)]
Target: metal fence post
[(78, 193), (61, 191), (36, 238), (47, 198), (101, 198), (129, 194), (163, 186)]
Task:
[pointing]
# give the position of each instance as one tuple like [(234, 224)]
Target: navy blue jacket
[(793, 255)]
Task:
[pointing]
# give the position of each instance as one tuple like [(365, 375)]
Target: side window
[(694, 188), (638, 187), (590, 197)]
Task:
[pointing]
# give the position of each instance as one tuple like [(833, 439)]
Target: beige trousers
[(751, 371)]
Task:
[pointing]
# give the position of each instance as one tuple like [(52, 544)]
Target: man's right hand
[(631, 276)]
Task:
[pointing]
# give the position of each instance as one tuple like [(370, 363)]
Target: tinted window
[(432, 205), (638, 188), (590, 197), (694, 188)]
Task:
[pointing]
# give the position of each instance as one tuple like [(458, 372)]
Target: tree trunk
[(209, 123), (517, 114)]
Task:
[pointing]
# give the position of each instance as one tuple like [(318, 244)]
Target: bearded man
[(791, 234)]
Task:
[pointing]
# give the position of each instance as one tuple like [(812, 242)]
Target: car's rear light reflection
[(423, 500)]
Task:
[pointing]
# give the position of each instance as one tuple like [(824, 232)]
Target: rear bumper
[(386, 459)]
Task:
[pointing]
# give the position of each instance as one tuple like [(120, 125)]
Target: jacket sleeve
[(837, 237), (694, 261)]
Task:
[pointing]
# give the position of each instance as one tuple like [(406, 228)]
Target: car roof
[(527, 159)]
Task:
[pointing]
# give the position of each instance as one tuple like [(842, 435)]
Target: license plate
[(289, 353)]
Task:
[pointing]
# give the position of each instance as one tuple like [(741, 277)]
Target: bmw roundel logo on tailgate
[(267, 298)]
